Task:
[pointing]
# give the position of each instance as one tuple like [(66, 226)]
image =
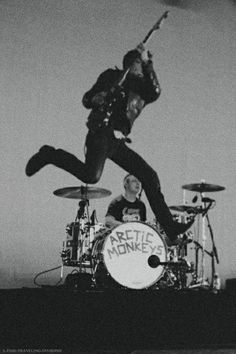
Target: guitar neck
[(155, 27), (148, 36)]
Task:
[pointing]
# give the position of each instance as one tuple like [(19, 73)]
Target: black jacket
[(137, 93)]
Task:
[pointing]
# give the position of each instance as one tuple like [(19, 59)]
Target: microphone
[(195, 199), (208, 200)]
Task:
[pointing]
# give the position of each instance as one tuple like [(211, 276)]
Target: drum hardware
[(133, 255), (196, 280), (179, 253), (175, 276), (180, 269), (77, 248), (171, 271), (206, 221), (194, 210), (65, 255), (177, 266), (154, 262), (78, 281), (185, 209), (206, 205)]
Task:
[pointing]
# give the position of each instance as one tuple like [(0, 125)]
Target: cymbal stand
[(183, 250), (200, 188), (198, 279), (76, 230), (195, 274), (204, 238), (83, 217), (197, 248), (214, 253)]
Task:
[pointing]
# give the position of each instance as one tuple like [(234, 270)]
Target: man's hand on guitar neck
[(146, 55)]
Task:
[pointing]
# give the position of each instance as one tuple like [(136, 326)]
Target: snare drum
[(127, 253)]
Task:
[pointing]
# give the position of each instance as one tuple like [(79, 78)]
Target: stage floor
[(119, 320)]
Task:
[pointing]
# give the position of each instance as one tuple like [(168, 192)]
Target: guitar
[(116, 91)]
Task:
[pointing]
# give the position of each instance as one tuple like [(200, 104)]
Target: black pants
[(101, 145)]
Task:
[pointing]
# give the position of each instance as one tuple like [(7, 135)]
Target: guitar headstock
[(159, 22)]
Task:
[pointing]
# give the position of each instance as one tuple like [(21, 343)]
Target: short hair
[(130, 57), (126, 179)]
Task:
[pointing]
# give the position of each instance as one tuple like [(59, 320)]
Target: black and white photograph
[(118, 156)]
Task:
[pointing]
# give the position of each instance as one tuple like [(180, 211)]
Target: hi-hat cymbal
[(82, 192), (203, 187), (184, 208)]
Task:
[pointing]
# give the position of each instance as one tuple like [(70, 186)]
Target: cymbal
[(184, 208), (82, 192), (203, 187)]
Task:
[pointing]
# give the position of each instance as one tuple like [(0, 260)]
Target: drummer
[(126, 207)]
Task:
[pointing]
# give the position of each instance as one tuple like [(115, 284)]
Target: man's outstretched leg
[(60, 158), (88, 172)]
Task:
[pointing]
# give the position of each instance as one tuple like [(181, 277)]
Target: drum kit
[(136, 255)]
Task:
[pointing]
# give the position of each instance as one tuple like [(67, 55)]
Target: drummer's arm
[(110, 221)]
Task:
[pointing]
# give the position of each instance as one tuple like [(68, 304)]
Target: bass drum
[(129, 254)]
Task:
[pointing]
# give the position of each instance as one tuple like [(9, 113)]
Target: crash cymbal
[(203, 187), (184, 208), (82, 192)]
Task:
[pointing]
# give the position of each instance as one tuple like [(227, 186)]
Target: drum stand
[(83, 220), (80, 232), (203, 210), (214, 253), (76, 253), (204, 238), (201, 282)]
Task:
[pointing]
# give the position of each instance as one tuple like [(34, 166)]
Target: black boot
[(172, 228), (42, 158), (178, 228), (59, 158)]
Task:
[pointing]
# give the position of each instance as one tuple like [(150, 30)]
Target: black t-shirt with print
[(123, 210)]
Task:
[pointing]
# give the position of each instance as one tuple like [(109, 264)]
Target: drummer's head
[(131, 184)]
